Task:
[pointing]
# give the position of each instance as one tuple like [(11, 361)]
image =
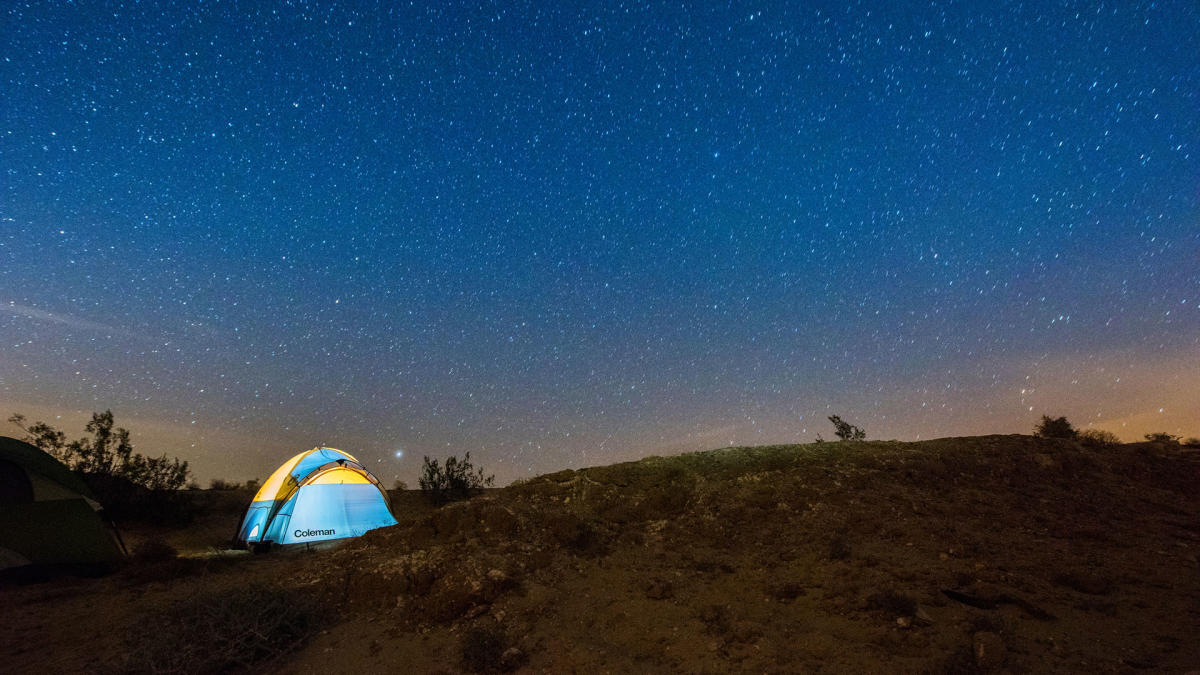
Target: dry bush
[(1162, 437), (1055, 428), (1098, 439), (222, 629), (1192, 442), (156, 561)]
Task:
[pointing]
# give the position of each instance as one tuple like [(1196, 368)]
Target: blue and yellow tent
[(317, 495)]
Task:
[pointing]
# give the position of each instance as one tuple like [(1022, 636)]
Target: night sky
[(567, 234)]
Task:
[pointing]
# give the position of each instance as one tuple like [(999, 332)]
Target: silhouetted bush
[(1162, 437), (124, 500), (1055, 428), (107, 454), (457, 479), (223, 629), (1098, 438), (1192, 442), (846, 431)]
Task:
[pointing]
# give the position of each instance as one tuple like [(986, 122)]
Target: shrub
[(457, 479), (846, 431), (222, 629), (1162, 437), (157, 561), (108, 454), (1055, 428), (1192, 442), (1098, 438), (154, 551)]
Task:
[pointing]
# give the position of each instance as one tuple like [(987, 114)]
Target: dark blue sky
[(565, 234)]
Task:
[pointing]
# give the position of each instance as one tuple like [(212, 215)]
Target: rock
[(511, 658), (904, 621), (989, 650)]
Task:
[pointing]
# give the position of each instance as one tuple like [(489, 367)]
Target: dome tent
[(318, 495), (48, 517)]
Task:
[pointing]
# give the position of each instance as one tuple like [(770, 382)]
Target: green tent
[(48, 517)]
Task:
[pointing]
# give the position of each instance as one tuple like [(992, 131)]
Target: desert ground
[(959, 555)]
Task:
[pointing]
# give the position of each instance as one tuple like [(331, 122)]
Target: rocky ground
[(997, 553)]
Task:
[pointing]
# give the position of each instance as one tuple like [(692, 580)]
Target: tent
[(318, 495), (48, 517)]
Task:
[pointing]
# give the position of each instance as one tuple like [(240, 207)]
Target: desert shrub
[(1055, 428), (153, 551), (125, 501), (1192, 442), (156, 561), (221, 484), (1098, 438), (222, 629), (846, 431), (1162, 437), (107, 455), (456, 479)]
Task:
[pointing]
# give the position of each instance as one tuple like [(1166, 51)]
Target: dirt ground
[(983, 554)]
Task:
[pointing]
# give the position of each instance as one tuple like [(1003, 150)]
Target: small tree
[(457, 479), (1055, 428), (106, 454), (846, 431), (1162, 437)]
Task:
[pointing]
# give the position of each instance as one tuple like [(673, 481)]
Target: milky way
[(560, 235)]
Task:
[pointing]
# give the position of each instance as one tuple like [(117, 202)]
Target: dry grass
[(223, 629)]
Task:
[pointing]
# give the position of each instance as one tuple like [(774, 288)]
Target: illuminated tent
[(319, 494), (48, 517)]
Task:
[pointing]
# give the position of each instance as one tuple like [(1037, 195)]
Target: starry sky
[(567, 234)]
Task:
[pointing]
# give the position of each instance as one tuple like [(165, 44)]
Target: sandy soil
[(998, 553)]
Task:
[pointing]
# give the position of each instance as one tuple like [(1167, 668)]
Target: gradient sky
[(567, 234)]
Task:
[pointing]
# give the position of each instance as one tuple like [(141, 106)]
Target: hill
[(1007, 553)]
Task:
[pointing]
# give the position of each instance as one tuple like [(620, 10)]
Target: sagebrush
[(454, 480)]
